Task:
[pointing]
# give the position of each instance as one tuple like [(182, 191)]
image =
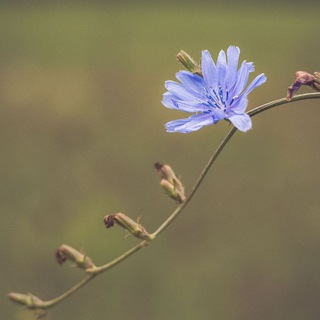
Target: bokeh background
[(81, 125)]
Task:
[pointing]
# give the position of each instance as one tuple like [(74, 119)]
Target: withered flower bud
[(170, 183), (66, 252), (304, 79), (135, 228)]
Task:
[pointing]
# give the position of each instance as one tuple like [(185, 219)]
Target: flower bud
[(170, 183), (306, 79), (27, 300), (166, 172), (188, 62), (168, 188), (66, 252), (135, 228)]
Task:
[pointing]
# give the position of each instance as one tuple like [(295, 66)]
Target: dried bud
[(188, 62), (306, 79), (27, 300), (170, 182), (135, 228), (66, 252)]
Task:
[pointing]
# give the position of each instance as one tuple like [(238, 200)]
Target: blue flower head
[(218, 94)]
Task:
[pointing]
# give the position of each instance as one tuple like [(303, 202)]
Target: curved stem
[(198, 182), (282, 101), (97, 270), (52, 302), (215, 155), (94, 272), (127, 254)]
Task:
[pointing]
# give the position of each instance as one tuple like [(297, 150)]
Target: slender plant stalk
[(53, 302), (94, 272), (130, 252), (215, 155), (98, 270), (198, 182), (279, 102)]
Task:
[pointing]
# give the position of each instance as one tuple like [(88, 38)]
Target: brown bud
[(303, 79)]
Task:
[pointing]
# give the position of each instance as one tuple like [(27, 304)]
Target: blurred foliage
[(81, 125)]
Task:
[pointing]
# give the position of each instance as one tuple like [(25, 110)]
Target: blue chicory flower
[(217, 94)]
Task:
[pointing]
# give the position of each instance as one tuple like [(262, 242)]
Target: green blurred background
[(81, 125)]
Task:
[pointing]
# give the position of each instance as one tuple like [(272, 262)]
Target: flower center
[(217, 99)]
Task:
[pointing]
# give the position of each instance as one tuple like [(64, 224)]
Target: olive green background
[(81, 124)]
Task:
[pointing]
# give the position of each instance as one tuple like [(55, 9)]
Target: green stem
[(197, 184), (53, 302), (127, 254), (94, 272), (215, 155), (282, 101), (98, 270)]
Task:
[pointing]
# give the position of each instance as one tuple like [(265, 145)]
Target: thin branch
[(130, 252), (197, 184), (53, 302), (93, 272), (98, 270), (279, 102)]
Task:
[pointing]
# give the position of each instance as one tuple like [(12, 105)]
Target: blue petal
[(168, 100), (222, 68), (242, 122), (188, 106), (242, 78), (239, 106), (233, 54), (191, 81), (179, 91), (256, 82), (190, 124), (208, 68)]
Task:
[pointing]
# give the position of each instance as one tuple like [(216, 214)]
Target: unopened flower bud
[(135, 228), (188, 62), (27, 300), (170, 182), (169, 189), (166, 172), (306, 79), (66, 252)]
